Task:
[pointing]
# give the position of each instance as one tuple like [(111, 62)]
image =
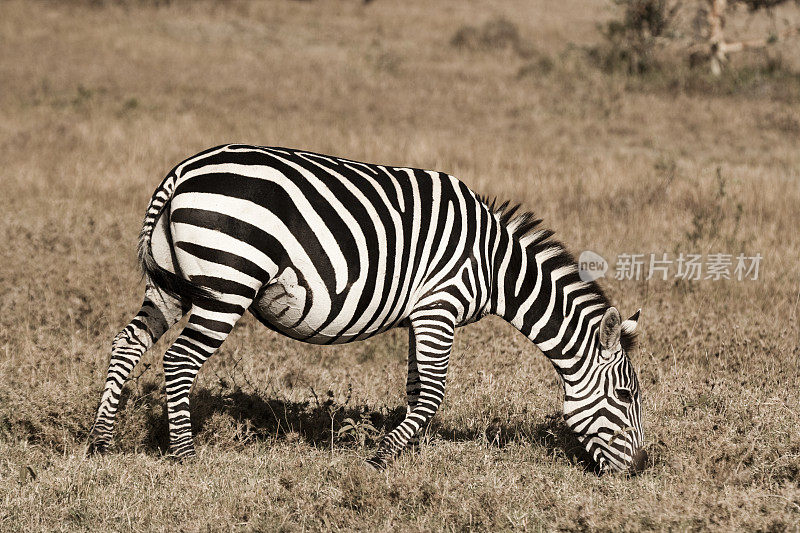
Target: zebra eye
[(625, 395)]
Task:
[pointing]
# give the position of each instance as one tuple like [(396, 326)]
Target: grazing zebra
[(328, 250)]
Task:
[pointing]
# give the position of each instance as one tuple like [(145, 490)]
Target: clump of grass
[(382, 58), (127, 3), (495, 34), (785, 121), (750, 75), (717, 218), (539, 66)]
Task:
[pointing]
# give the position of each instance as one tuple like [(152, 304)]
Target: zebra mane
[(524, 226), (521, 224)]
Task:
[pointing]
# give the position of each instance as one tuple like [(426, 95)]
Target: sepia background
[(604, 131)]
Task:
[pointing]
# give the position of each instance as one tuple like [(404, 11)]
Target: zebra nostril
[(639, 461)]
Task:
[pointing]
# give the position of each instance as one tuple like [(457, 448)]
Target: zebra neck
[(540, 293)]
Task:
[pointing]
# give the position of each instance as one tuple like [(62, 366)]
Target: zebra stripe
[(329, 250)]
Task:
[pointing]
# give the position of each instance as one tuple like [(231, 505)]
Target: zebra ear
[(629, 326), (629, 338), (610, 329)]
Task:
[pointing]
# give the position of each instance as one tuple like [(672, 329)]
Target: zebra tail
[(171, 283)]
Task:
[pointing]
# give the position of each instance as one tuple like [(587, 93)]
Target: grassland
[(98, 101)]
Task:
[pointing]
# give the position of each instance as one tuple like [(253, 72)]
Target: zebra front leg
[(412, 384), (202, 336), (432, 335), (157, 314)]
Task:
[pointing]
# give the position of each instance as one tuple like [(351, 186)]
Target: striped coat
[(328, 250)]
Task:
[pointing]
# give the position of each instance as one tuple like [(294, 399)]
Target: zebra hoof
[(413, 447), (182, 457), (376, 463), (97, 448)]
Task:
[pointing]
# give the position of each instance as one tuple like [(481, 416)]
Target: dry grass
[(98, 101)]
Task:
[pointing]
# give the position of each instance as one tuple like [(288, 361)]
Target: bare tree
[(719, 48), (696, 28)]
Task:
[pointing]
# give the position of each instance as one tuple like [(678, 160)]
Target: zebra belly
[(282, 306)]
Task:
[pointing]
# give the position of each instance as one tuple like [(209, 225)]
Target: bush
[(633, 40)]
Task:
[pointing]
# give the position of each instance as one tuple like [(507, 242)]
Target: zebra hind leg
[(209, 324), (158, 313), (433, 331)]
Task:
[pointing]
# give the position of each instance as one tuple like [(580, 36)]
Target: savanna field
[(98, 100)]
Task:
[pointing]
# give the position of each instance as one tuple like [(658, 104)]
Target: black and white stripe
[(329, 250)]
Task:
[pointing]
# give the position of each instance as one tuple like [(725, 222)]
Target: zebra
[(329, 250)]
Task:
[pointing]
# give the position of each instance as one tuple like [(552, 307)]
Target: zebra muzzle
[(639, 461)]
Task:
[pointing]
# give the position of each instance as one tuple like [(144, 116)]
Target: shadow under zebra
[(237, 417)]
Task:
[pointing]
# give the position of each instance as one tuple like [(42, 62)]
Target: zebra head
[(602, 405)]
